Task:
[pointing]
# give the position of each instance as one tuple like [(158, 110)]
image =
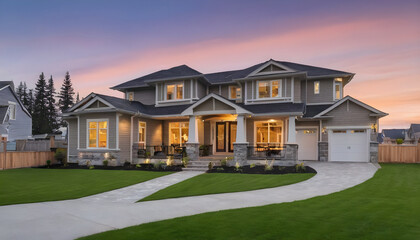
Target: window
[(12, 110), (130, 96), (142, 133), (339, 131), (338, 88), (234, 92), (358, 131), (269, 89), (97, 133), (316, 87), (175, 91), (178, 133), (269, 133)]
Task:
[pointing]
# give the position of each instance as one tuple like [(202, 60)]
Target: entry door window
[(232, 135), (178, 133), (221, 137)]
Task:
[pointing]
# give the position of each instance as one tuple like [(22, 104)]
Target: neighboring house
[(15, 120), (389, 136), (272, 110), (414, 132)]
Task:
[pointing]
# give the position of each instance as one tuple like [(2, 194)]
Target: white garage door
[(307, 140), (348, 145)]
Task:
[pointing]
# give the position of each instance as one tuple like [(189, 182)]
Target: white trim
[(292, 90), (246, 91), (191, 87), (157, 93), (214, 112), (97, 136), (196, 88), (231, 86), (338, 103), (189, 111), (78, 132), (10, 110), (92, 101), (319, 87), (270, 82), (68, 140), (175, 91), (340, 83), (145, 132), (347, 127), (5, 115), (87, 98), (271, 62), (320, 103), (117, 130)]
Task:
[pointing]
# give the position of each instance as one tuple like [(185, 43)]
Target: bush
[(252, 165), (399, 141), (156, 166), (87, 163), (91, 167), (268, 166), (223, 162), (220, 169), (60, 155), (238, 167), (210, 165), (105, 163), (138, 166), (300, 167), (185, 161), (48, 163)]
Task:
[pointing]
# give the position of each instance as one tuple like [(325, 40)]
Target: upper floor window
[(316, 87), (338, 88), (175, 91), (12, 110), (97, 133), (130, 96), (142, 134), (269, 89), (234, 92)]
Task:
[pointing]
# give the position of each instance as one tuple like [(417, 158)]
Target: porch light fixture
[(271, 120), (106, 155), (374, 127), (323, 130)]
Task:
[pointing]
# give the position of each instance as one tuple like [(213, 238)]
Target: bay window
[(175, 91), (178, 133), (97, 133), (269, 133), (269, 89)]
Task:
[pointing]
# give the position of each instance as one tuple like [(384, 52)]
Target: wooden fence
[(391, 153), (10, 160)]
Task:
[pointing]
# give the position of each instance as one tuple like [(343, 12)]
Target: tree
[(66, 96), (25, 96), (52, 111), (19, 91), (77, 98), (40, 109), (30, 105)]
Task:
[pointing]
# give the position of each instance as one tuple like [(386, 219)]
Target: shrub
[(268, 166), (48, 163), (148, 154), (185, 161), (220, 169), (170, 161), (223, 162), (138, 166), (252, 165), (105, 163), (399, 141), (210, 166), (91, 167), (238, 167), (87, 163), (300, 167), (60, 155), (157, 166)]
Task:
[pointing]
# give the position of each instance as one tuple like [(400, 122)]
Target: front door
[(220, 137), (232, 135)]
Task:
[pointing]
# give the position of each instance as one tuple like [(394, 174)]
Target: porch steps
[(199, 165)]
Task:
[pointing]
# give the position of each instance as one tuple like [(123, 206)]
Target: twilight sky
[(104, 43)]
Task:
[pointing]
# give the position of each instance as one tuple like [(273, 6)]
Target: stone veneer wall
[(97, 158), (323, 151), (240, 153), (373, 150), (192, 150)]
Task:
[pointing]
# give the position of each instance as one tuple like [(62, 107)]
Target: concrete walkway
[(75, 218)]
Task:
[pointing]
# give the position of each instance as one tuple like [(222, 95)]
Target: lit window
[(234, 92), (178, 133), (130, 96), (338, 88), (174, 91), (12, 110), (97, 134), (142, 133), (269, 89), (269, 132), (316, 87)]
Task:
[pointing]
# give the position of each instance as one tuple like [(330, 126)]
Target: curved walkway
[(75, 218)]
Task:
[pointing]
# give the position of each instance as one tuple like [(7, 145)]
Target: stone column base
[(193, 151), (323, 151), (373, 150), (291, 152), (240, 153)]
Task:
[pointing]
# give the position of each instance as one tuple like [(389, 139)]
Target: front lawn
[(38, 185), (385, 207), (211, 183)]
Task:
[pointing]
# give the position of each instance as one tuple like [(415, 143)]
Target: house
[(413, 132), (15, 120), (274, 110), (389, 136)]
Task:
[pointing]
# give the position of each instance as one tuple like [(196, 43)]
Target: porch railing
[(266, 152), (161, 151)]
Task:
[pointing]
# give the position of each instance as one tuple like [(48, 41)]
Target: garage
[(307, 139), (348, 145)]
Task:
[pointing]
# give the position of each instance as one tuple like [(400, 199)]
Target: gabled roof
[(313, 110), (238, 109), (3, 113), (10, 85), (6, 83), (364, 105), (182, 71), (415, 128), (394, 133)]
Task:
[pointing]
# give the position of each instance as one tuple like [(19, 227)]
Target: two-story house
[(273, 110), (15, 120)]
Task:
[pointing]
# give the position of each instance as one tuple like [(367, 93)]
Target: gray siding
[(201, 90), (325, 91), (145, 95), (111, 128), (297, 91), (21, 128), (72, 137), (355, 115), (124, 136), (207, 129), (154, 131)]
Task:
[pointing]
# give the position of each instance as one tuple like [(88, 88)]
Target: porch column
[(240, 147), (240, 129), (291, 139), (193, 130), (192, 146)]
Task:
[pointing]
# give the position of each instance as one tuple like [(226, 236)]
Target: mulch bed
[(261, 170), (143, 167)]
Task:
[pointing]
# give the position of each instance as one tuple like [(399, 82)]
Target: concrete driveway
[(75, 218)]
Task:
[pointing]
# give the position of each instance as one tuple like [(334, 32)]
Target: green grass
[(211, 183), (385, 207), (38, 185)]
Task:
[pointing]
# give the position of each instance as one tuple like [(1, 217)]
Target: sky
[(104, 43)]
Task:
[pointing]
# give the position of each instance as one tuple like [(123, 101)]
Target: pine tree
[(19, 91), (66, 96), (40, 110), (52, 111), (25, 96), (77, 98), (30, 105)]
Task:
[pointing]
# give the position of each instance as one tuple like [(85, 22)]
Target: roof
[(394, 133), (175, 72), (274, 108), (313, 110), (5, 83), (3, 112), (185, 71), (415, 127)]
